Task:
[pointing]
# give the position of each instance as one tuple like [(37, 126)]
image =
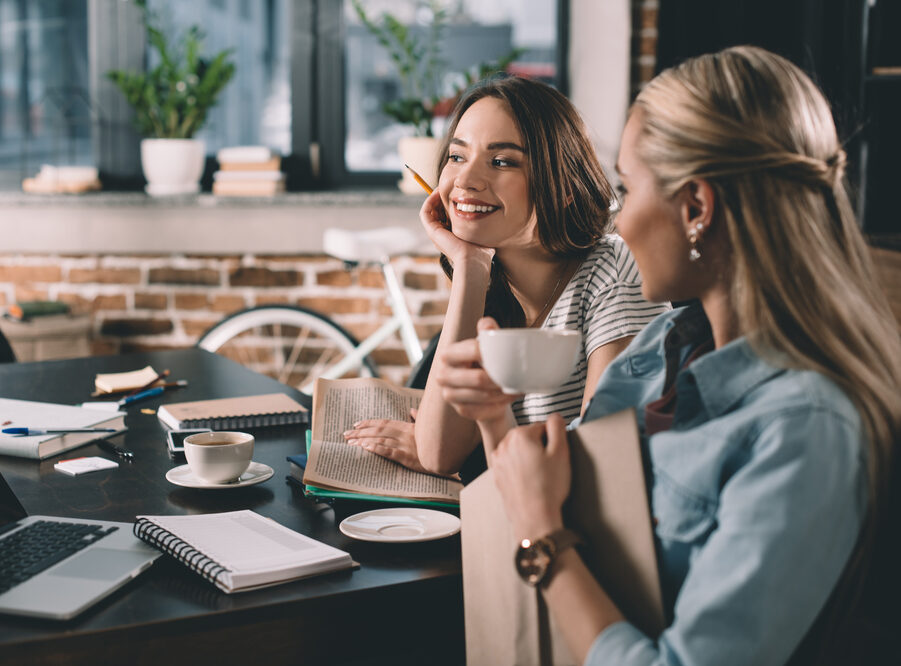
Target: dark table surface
[(402, 605)]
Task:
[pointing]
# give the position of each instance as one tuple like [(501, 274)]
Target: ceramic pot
[(421, 153), (172, 166)]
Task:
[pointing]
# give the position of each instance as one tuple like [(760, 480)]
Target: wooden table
[(403, 605)]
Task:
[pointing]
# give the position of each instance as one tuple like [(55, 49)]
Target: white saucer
[(400, 525), (182, 476)]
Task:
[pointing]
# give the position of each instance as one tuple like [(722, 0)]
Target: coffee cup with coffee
[(219, 457), (529, 360)]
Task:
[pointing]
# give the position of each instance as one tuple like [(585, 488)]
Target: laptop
[(56, 568)]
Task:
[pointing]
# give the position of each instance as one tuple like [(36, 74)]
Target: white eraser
[(76, 466)]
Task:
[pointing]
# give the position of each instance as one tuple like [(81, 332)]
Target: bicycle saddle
[(370, 245)]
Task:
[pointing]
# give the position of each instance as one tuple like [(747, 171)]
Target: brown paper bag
[(505, 620)]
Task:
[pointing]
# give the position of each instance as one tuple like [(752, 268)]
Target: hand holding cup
[(529, 360)]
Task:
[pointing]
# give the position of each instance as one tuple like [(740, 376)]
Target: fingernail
[(357, 424), (353, 442)]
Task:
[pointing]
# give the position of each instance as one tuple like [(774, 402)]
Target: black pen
[(116, 449)]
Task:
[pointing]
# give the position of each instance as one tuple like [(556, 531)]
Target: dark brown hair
[(567, 187)]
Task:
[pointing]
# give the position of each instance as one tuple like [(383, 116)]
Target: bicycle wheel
[(292, 344)]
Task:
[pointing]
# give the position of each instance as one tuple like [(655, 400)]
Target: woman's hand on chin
[(458, 251)]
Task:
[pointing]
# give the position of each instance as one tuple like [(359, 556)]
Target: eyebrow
[(497, 145), (617, 169)]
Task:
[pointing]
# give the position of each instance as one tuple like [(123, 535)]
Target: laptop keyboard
[(40, 545)]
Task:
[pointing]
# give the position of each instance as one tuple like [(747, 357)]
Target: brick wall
[(644, 42), (162, 302)]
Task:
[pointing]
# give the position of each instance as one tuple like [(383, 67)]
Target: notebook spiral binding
[(195, 560)]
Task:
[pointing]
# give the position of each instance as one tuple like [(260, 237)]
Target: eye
[(454, 157), (503, 162)]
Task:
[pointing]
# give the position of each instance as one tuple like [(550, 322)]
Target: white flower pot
[(421, 154), (172, 166)]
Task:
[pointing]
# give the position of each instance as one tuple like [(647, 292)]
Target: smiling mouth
[(474, 208)]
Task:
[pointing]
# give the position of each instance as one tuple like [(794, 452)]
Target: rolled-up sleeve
[(787, 521)]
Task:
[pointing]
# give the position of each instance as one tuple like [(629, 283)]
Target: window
[(45, 106), (474, 32), (309, 82), (255, 107)]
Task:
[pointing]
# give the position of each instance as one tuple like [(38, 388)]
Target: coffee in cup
[(219, 457), (529, 360)]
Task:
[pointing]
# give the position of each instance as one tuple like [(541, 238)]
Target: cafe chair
[(7, 355)]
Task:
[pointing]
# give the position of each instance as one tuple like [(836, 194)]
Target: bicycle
[(302, 344)]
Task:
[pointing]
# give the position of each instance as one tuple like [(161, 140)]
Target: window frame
[(317, 63)]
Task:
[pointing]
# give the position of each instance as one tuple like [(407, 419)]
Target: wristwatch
[(535, 559)]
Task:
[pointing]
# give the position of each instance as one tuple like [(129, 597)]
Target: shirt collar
[(721, 377)]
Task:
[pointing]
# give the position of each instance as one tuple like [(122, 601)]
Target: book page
[(336, 465)]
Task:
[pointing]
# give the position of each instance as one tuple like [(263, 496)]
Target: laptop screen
[(11, 509)]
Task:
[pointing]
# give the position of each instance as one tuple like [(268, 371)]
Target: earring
[(693, 237)]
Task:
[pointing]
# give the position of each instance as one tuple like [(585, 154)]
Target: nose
[(469, 176)]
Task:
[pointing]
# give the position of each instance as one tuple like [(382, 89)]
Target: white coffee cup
[(529, 360), (219, 457)]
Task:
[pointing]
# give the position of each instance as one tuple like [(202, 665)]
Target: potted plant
[(171, 102), (416, 57)]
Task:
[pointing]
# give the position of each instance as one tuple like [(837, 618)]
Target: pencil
[(419, 180)]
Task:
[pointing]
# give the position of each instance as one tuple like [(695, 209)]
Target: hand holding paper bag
[(607, 506), (533, 479)]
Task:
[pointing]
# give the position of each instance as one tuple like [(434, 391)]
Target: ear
[(696, 206)]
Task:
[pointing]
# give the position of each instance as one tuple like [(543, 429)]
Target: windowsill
[(134, 223)]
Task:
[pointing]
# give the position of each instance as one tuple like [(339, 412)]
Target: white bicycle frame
[(400, 319)]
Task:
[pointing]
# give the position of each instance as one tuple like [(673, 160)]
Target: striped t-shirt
[(602, 300)]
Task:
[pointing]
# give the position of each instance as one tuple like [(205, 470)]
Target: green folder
[(324, 494)]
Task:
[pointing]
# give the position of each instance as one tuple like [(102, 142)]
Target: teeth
[(472, 208)]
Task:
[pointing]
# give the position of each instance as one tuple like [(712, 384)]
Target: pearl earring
[(693, 237)]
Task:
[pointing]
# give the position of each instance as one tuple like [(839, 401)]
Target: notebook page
[(244, 541)]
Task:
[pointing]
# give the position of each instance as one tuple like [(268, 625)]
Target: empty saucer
[(400, 525), (183, 476)]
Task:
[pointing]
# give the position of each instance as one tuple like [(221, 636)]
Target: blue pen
[(149, 393), (51, 431)]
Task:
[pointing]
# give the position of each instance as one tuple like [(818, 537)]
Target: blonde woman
[(769, 412)]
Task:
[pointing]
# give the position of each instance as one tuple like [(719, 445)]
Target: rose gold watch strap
[(562, 539)]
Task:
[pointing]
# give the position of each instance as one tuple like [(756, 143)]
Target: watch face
[(532, 562)]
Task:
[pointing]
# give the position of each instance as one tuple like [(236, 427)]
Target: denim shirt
[(758, 493)]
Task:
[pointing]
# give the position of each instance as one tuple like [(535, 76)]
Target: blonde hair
[(757, 129)]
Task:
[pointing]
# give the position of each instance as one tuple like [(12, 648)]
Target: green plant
[(171, 101), (415, 55)]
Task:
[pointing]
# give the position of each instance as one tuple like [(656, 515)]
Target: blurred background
[(310, 79)]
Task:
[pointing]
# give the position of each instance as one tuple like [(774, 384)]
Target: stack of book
[(249, 171), (63, 180)]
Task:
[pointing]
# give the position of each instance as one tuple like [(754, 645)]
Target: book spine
[(251, 421), (196, 561)]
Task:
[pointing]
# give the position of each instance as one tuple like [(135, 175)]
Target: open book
[(240, 550), (334, 465)]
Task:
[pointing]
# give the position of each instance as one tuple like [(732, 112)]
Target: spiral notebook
[(226, 413), (240, 550)]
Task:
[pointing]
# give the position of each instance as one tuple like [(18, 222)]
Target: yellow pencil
[(419, 179)]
